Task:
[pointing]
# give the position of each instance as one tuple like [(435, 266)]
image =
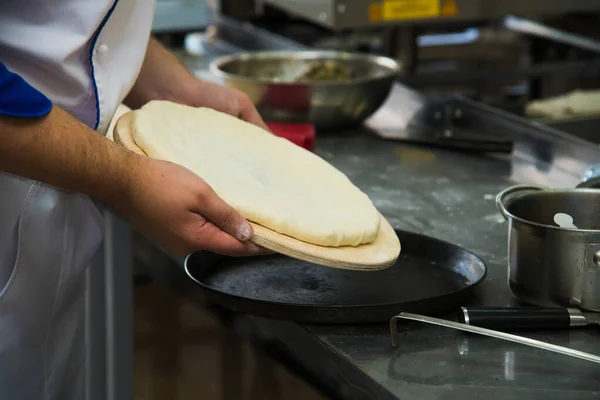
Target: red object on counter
[(290, 97), (301, 134)]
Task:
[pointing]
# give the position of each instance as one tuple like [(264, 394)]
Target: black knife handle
[(480, 146), (521, 318)]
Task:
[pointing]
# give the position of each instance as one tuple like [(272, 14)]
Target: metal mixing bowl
[(268, 79)]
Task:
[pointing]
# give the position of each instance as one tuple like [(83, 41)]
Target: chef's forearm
[(61, 151), (162, 77)]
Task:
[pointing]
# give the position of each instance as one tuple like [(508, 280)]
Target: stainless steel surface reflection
[(429, 358), (403, 316), (267, 78)]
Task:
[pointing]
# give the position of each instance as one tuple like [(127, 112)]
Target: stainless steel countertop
[(447, 195), (450, 196)]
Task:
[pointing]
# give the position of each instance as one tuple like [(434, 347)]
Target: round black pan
[(430, 276)]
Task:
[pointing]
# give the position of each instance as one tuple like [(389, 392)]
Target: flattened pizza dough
[(267, 179), (578, 103)]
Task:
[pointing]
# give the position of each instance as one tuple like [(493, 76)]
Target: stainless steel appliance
[(181, 15), (445, 45), (338, 14)]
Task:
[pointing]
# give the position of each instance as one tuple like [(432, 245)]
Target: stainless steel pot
[(549, 265)]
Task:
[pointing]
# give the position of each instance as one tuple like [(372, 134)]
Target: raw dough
[(267, 179), (577, 103)]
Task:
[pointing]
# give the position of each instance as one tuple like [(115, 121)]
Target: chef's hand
[(182, 213), (163, 77), (227, 100)]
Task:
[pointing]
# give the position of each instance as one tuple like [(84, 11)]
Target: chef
[(64, 68)]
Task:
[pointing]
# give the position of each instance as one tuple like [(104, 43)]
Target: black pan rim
[(461, 291)]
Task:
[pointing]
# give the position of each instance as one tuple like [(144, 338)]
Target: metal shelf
[(338, 14)]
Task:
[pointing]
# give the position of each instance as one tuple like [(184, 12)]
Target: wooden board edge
[(336, 257)]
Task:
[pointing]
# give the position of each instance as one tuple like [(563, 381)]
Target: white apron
[(84, 55)]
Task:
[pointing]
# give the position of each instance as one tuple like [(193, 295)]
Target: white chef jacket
[(84, 56)]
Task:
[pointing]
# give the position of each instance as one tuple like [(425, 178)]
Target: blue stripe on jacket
[(19, 99)]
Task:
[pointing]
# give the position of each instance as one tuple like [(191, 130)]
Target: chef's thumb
[(226, 218)]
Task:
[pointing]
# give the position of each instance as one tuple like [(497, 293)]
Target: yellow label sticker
[(449, 8), (375, 12), (394, 10)]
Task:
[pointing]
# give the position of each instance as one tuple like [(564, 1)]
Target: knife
[(527, 318), (451, 138), (487, 332)]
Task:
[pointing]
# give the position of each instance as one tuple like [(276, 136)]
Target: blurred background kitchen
[(508, 54)]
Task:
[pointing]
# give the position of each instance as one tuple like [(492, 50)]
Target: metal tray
[(430, 276)]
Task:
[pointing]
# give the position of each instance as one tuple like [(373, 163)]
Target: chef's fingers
[(221, 214), (212, 238), (249, 114)]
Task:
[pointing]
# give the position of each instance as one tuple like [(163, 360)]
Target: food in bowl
[(326, 70)]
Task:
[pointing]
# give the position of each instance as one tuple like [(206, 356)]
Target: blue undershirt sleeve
[(19, 99)]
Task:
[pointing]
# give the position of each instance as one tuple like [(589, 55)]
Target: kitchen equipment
[(435, 127), (379, 254), (564, 220), (364, 15), (526, 318), (429, 276), (449, 138), (590, 177), (534, 28), (551, 265), (301, 134), (488, 332), (438, 356), (269, 78)]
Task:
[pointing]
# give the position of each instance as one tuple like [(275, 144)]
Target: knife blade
[(451, 138), (490, 333)]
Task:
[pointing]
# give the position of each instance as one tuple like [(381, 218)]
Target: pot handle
[(592, 183), (512, 190)]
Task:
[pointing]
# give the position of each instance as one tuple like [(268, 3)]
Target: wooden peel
[(379, 254)]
